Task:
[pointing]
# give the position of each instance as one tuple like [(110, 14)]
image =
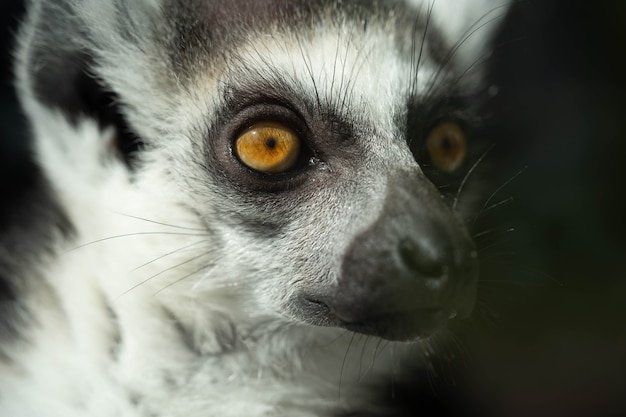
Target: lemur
[(238, 195)]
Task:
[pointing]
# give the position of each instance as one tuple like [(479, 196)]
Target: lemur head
[(303, 138)]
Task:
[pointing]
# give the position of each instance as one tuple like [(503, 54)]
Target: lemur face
[(353, 232), (299, 138), (310, 169)]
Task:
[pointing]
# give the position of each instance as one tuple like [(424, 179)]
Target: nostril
[(317, 305), (315, 301), (420, 261)]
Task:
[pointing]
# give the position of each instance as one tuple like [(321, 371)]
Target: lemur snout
[(405, 275)]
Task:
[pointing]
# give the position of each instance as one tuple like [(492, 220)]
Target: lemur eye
[(447, 146), (268, 147)]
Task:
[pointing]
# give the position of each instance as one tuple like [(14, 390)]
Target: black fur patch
[(65, 83), (30, 222)]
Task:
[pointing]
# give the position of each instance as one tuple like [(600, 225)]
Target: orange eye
[(447, 146), (268, 147)]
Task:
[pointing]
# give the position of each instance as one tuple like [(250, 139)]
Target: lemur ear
[(56, 73), (467, 25), (51, 65)]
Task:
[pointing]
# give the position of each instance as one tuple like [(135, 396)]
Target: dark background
[(550, 332)]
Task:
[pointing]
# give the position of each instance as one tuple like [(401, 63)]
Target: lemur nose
[(410, 270)]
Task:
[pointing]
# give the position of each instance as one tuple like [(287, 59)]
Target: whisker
[(360, 377), (159, 223), (467, 175), (491, 231), (343, 364), (343, 333), (169, 253), (218, 286), (206, 275), (307, 63), (382, 349), (416, 65), (499, 204), (463, 352), (498, 190), (135, 234), (494, 245), (444, 186), (162, 272), (483, 57), (488, 314), (355, 71), (342, 80), (181, 279), (374, 356), (332, 82)]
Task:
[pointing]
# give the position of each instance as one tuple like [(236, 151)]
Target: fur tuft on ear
[(63, 49)]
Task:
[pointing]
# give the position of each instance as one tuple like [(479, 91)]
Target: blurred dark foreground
[(549, 333)]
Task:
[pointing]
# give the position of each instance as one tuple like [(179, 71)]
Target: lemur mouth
[(401, 325)]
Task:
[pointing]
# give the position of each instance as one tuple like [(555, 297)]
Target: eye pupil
[(270, 143), (446, 144)]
